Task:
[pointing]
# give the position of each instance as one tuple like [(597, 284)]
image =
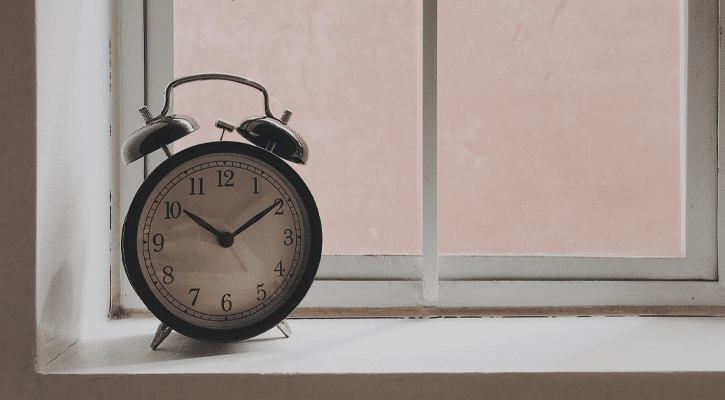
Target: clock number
[(279, 211), (255, 186), (288, 239), (201, 186), (193, 302), (279, 269), (226, 303), (229, 174), (173, 210), (168, 278), (261, 292), (158, 241)]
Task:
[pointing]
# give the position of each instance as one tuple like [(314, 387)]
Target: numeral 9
[(158, 240)]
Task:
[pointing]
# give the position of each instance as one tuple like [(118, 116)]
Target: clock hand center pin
[(225, 239)]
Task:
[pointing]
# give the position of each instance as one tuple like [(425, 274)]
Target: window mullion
[(430, 151), (158, 64)]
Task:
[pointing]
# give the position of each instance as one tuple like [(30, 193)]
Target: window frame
[(451, 285), (32, 273)]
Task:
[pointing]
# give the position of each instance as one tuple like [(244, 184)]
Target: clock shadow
[(178, 346)]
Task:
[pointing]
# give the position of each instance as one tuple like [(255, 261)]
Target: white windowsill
[(451, 345)]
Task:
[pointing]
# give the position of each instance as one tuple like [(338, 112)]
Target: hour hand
[(203, 224)]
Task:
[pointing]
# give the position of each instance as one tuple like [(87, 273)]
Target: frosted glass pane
[(559, 127), (351, 73)]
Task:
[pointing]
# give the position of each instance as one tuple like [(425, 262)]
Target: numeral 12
[(229, 174)]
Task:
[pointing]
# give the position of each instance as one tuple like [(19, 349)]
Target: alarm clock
[(222, 240)]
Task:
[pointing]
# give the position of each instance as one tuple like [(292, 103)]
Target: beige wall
[(19, 203)]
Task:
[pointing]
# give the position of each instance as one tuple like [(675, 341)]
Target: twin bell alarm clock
[(222, 240)]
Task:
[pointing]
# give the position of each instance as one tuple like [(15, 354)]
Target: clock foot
[(161, 334), (284, 327)]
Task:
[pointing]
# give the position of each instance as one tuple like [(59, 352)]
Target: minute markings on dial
[(278, 204)]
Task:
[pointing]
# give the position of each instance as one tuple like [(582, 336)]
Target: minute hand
[(256, 218)]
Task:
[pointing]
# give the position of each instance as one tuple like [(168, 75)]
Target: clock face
[(222, 241)]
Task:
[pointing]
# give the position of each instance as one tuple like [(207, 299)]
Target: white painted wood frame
[(432, 281)]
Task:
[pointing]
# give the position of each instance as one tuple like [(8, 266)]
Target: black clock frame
[(134, 271)]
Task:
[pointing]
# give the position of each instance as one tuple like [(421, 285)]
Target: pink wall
[(350, 71), (559, 127)]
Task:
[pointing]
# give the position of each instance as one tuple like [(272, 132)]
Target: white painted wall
[(73, 180)]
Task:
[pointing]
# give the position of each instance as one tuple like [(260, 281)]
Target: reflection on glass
[(559, 128)]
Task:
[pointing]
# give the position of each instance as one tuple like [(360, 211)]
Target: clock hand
[(256, 218), (203, 224)]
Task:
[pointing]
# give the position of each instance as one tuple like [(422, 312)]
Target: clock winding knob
[(224, 126), (146, 114), (286, 116), (221, 124)]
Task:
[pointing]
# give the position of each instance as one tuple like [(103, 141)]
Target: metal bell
[(156, 134), (275, 136), (267, 132)]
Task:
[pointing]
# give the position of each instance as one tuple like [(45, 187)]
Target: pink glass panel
[(559, 127), (350, 71)]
